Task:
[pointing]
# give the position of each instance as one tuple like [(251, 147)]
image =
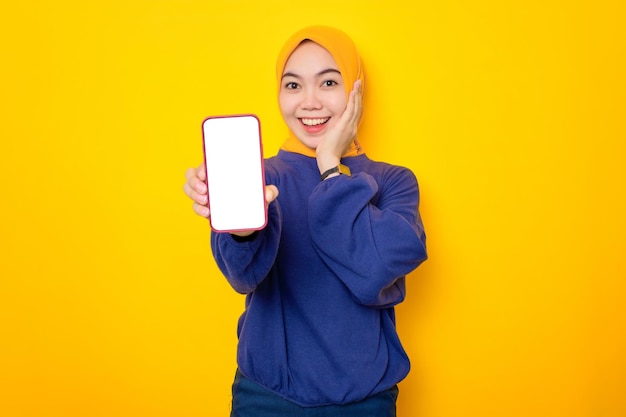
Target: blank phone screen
[(233, 159)]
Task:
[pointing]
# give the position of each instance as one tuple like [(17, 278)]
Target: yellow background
[(511, 114)]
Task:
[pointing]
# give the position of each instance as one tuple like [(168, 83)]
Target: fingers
[(196, 190), (271, 193), (201, 172), (196, 178), (358, 101), (354, 107), (195, 184), (201, 210), (200, 198)]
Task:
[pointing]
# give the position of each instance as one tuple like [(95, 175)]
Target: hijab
[(345, 54)]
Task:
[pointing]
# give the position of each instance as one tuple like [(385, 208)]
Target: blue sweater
[(322, 279)]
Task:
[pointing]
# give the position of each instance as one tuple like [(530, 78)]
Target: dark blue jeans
[(252, 400)]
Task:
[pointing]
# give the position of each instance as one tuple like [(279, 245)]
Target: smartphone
[(235, 177)]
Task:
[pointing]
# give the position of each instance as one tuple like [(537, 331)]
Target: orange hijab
[(343, 50)]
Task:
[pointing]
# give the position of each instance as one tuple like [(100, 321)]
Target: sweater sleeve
[(370, 238), (245, 264)]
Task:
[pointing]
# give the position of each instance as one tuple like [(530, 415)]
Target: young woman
[(318, 335)]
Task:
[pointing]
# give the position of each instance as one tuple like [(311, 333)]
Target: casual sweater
[(322, 279)]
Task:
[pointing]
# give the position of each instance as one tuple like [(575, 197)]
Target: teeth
[(314, 122)]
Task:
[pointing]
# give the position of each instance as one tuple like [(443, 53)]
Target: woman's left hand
[(337, 141)]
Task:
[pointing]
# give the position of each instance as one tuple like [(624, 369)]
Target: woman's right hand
[(195, 188)]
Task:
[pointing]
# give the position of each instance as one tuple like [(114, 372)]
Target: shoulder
[(290, 165), (287, 160), (388, 174)]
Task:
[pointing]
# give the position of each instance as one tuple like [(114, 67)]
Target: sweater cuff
[(248, 238)]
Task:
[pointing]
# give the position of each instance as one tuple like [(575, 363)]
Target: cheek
[(287, 104), (338, 103)]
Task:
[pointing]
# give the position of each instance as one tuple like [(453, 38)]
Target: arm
[(244, 257), (246, 261), (370, 246)]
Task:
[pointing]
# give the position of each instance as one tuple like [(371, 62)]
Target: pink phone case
[(234, 166)]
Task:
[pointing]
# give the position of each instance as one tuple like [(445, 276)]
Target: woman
[(318, 334)]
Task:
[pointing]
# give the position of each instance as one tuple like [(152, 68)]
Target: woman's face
[(312, 94)]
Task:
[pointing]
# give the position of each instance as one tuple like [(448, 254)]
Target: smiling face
[(312, 94)]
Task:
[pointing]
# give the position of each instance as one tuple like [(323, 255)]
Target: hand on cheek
[(339, 138)]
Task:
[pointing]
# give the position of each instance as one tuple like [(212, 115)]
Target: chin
[(308, 141)]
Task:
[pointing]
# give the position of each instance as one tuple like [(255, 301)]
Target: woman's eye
[(329, 83), (291, 85)]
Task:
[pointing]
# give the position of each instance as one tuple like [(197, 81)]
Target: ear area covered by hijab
[(345, 54)]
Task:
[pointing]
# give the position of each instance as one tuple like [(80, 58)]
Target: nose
[(311, 100)]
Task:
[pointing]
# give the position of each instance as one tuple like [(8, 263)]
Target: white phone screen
[(233, 157)]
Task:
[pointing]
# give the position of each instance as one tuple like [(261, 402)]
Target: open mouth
[(314, 122)]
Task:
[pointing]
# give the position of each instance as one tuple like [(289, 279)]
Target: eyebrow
[(322, 72)]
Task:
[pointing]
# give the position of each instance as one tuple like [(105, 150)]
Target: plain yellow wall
[(511, 114)]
